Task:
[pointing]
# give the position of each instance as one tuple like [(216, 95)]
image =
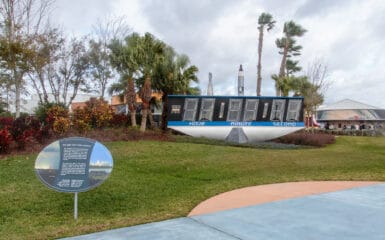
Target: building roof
[(349, 110), (348, 104)]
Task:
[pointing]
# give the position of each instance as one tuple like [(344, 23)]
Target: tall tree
[(21, 20), (287, 43), (149, 55), (71, 73), (100, 66), (105, 31), (47, 47), (317, 72), (124, 59), (265, 20)]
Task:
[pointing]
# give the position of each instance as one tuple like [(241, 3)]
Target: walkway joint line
[(214, 228)]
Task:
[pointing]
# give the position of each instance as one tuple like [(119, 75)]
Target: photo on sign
[(100, 164), (48, 163)]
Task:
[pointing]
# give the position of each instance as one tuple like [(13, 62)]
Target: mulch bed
[(101, 135)]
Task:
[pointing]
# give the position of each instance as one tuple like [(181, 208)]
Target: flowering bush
[(5, 141)]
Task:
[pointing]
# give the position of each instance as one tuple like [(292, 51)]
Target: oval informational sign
[(74, 164)]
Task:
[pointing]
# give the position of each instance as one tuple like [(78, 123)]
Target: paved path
[(356, 213), (271, 192)]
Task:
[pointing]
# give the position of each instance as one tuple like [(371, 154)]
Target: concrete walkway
[(355, 213)]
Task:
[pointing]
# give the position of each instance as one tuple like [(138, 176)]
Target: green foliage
[(266, 19), (292, 67), (288, 49), (174, 74)]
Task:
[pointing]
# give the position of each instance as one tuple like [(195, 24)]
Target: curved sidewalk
[(249, 196), (303, 210)]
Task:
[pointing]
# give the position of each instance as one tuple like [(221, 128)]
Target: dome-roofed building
[(349, 114)]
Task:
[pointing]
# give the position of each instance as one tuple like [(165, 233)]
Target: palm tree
[(173, 76), (290, 30), (124, 59), (292, 67), (264, 20), (289, 48), (149, 55)]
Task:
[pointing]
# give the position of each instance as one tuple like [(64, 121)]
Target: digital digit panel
[(190, 109), (235, 108)]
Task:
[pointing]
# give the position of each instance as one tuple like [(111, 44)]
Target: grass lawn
[(153, 181)]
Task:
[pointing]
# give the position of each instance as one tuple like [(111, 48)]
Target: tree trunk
[(151, 118), (164, 112), (259, 67), (283, 64), (144, 120), (133, 119), (133, 115), (18, 84), (146, 97), (17, 100), (131, 100)]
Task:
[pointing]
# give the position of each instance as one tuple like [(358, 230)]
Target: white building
[(28, 105)]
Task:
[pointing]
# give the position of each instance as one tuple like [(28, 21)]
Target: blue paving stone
[(180, 228)]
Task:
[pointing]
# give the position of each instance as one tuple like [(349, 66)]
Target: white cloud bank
[(218, 35)]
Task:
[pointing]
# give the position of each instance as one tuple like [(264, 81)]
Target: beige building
[(351, 115)]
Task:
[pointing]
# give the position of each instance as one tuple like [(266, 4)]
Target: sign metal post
[(76, 206)]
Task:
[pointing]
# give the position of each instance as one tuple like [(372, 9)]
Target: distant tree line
[(37, 58)]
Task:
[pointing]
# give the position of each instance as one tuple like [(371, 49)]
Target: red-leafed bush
[(119, 120), (5, 122), (309, 139), (5, 141), (38, 131), (21, 131)]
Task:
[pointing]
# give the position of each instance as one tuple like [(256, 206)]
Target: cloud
[(320, 8), (219, 35), (78, 17)]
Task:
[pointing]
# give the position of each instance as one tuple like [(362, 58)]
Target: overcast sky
[(219, 35)]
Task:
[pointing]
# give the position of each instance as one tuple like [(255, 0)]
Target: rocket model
[(210, 88), (241, 78)]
